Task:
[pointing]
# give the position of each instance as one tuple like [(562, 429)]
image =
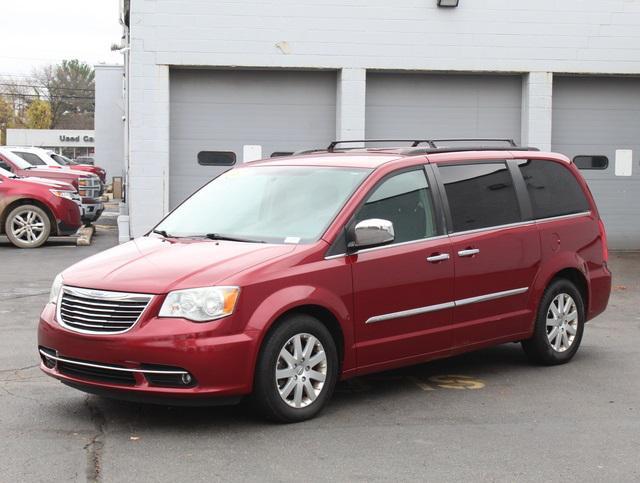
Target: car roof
[(374, 158)]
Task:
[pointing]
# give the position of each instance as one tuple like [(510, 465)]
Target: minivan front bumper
[(147, 363)]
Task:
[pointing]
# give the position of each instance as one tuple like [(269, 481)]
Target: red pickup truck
[(32, 209), (88, 185)]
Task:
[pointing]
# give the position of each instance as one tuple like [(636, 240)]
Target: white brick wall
[(537, 94), (541, 37)]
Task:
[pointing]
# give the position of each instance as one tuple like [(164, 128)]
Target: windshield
[(15, 159), (61, 160), (4, 172), (291, 204)]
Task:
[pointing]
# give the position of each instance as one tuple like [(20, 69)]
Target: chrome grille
[(100, 312)]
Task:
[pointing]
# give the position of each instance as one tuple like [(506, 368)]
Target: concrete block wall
[(535, 39), (109, 124)]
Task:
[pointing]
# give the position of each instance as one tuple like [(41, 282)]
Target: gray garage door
[(596, 117), (225, 110), (443, 106)]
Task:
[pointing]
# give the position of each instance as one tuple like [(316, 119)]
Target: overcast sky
[(38, 32)]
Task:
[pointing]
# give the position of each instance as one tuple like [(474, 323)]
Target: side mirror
[(371, 232)]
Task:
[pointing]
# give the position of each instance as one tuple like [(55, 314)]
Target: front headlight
[(63, 194), (55, 289), (200, 304)]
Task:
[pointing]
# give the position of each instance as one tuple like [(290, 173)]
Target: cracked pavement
[(486, 416)]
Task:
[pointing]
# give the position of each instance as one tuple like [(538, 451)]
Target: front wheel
[(27, 226), (559, 325), (297, 370)]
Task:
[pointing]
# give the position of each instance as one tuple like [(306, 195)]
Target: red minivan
[(282, 276)]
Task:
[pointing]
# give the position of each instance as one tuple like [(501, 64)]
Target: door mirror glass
[(372, 232)]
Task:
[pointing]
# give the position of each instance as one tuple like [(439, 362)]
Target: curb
[(85, 234)]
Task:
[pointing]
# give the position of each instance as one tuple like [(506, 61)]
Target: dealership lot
[(488, 415)]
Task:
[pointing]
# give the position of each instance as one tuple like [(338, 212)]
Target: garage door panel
[(422, 105), (216, 110), (597, 116)]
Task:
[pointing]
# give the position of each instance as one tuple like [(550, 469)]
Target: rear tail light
[(603, 238)]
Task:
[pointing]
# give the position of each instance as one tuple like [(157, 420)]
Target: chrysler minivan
[(281, 277)]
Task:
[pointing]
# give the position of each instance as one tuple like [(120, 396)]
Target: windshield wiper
[(218, 236), (162, 233)]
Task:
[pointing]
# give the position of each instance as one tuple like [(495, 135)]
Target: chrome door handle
[(438, 258), (469, 252)]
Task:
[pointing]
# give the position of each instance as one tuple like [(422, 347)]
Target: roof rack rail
[(417, 151), (433, 143), (414, 142)]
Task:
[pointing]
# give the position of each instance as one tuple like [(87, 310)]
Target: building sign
[(76, 139), (52, 138)]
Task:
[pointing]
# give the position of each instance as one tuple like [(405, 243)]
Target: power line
[(33, 86), (13, 94)]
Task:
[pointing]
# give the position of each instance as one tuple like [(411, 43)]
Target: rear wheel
[(559, 325), (27, 226), (297, 370)]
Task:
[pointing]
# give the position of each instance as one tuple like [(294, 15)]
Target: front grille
[(93, 189), (99, 374), (100, 312)]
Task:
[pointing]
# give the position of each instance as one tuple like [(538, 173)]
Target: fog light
[(186, 379), (49, 362)]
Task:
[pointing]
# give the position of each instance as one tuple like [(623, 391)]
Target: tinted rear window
[(553, 189), (480, 195)]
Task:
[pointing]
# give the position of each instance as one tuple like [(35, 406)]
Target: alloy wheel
[(562, 322), (28, 226), (301, 370)]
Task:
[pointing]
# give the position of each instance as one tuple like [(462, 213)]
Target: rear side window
[(30, 158), (216, 158), (591, 162), (553, 189), (480, 195)]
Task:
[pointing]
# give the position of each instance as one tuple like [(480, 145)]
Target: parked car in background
[(88, 185), (45, 157), (282, 276), (32, 209), (85, 160)]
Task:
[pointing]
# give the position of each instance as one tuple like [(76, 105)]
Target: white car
[(45, 157)]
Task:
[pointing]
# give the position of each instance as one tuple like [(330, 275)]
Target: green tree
[(38, 115), (70, 90), (7, 118)]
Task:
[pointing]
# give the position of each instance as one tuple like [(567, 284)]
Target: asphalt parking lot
[(485, 416)]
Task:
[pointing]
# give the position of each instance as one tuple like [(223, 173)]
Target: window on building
[(216, 158), (480, 195), (553, 190), (405, 201), (31, 158), (591, 162), (279, 154)]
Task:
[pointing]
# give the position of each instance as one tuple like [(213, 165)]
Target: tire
[(299, 394), (559, 325), (27, 226)]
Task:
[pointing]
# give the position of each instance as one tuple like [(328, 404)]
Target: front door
[(403, 291), (496, 252)]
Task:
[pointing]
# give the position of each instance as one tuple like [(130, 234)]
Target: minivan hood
[(156, 266)]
